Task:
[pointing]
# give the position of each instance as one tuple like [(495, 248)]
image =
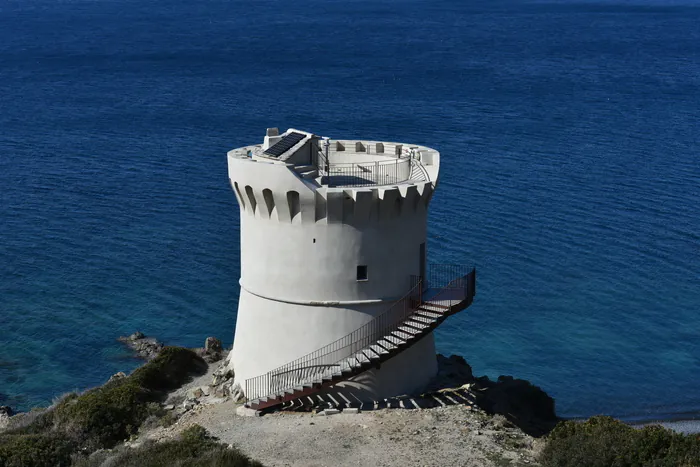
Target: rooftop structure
[(337, 300)]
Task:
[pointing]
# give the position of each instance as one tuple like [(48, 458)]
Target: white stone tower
[(333, 234)]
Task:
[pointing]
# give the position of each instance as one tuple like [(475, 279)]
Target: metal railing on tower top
[(354, 174)]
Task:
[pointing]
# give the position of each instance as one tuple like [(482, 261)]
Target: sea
[(570, 141)]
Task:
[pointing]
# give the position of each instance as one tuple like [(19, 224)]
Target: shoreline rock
[(145, 347), (5, 413), (213, 350)]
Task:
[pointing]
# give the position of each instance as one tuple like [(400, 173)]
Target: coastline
[(686, 427), (184, 402), (146, 348)]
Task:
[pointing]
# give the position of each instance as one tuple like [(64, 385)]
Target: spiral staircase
[(403, 324)]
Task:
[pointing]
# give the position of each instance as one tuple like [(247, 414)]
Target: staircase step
[(417, 327), (407, 328), (390, 342), (402, 335), (428, 314), (421, 319), (362, 358), (371, 356), (378, 350), (304, 168), (433, 306)]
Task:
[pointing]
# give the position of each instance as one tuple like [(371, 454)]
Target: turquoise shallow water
[(571, 176)]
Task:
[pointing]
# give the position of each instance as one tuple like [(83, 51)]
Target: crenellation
[(387, 198), (334, 206), (364, 199)]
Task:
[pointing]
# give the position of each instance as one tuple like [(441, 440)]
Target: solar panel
[(285, 144)]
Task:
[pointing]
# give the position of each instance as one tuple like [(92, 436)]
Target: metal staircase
[(403, 324)]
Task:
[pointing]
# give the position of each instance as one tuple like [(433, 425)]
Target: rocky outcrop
[(213, 350), (5, 413), (224, 384), (117, 376), (213, 346), (519, 401), (453, 372), (145, 347)]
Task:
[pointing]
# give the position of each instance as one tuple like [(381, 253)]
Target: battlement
[(299, 177), (345, 163)]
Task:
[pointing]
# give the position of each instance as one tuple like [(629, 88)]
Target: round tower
[(333, 234)]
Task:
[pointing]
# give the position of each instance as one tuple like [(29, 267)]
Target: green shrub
[(102, 417), (606, 442), (44, 450), (169, 370), (105, 416), (194, 448)]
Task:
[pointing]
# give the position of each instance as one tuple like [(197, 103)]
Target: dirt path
[(445, 436)]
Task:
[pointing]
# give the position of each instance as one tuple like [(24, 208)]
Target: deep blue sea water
[(570, 134)]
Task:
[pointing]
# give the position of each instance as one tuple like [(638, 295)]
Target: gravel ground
[(446, 436), (457, 435)]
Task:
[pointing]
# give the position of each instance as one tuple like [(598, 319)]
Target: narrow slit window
[(362, 273)]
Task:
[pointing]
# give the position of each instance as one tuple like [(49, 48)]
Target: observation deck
[(330, 163)]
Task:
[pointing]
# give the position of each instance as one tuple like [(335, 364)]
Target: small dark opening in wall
[(314, 240), (362, 273)]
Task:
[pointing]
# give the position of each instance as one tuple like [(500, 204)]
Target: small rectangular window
[(362, 273)]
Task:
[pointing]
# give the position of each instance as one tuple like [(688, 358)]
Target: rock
[(213, 350), (5, 413), (206, 390), (145, 347), (223, 374), (212, 345), (190, 404), (244, 411), (116, 376), (195, 393), (220, 392), (453, 372), (169, 407), (519, 401), (236, 393)]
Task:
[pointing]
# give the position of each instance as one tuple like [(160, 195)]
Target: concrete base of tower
[(407, 373)]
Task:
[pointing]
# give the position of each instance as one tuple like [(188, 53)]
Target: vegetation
[(606, 442), (101, 417), (194, 449), (35, 450)]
